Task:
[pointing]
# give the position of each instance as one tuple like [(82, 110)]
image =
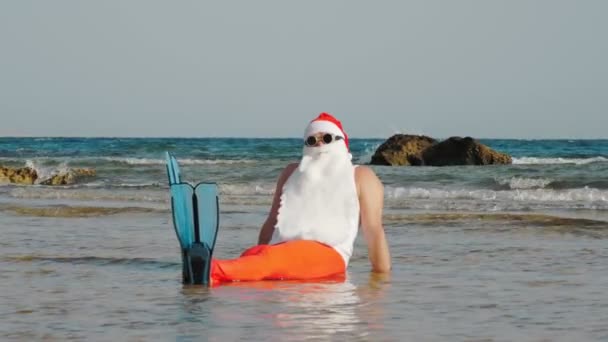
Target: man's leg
[(296, 260)]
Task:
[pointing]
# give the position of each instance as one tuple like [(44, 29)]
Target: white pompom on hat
[(326, 123)]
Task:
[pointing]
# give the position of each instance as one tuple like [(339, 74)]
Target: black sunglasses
[(327, 138)]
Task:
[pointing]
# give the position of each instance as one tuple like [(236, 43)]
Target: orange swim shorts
[(292, 260)]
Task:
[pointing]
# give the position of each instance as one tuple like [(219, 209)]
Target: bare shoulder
[(363, 171), (364, 174), (366, 178), (287, 171), (290, 167)]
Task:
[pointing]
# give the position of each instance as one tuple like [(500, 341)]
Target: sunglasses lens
[(311, 140), (327, 139)]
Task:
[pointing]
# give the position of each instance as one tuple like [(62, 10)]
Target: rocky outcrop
[(463, 151), (402, 149), (24, 175), (419, 150), (69, 177), (29, 176)]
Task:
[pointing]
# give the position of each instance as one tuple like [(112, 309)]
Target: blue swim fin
[(182, 208), (208, 212), (195, 213), (172, 169)]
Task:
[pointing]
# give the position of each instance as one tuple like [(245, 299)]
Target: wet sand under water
[(115, 275)]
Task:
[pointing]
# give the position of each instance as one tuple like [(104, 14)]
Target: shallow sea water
[(497, 253), (117, 277)]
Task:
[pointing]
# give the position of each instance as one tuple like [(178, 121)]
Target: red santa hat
[(326, 123)]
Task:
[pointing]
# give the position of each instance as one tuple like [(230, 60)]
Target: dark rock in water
[(24, 175), (29, 176), (402, 149), (463, 151), (69, 177), (417, 150)]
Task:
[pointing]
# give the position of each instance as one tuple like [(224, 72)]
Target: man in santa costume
[(318, 206)]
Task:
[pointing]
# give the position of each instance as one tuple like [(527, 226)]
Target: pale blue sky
[(518, 69)]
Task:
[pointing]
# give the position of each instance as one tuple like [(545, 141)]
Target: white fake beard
[(319, 196), (323, 162)]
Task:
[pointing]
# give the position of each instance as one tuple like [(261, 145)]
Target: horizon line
[(274, 137)]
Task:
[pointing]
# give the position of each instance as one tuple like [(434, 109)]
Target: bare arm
[(371, 201), (271, 221)]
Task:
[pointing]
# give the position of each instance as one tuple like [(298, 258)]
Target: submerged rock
[(24, 175), (69, 177), (402, 149), (29, 176)]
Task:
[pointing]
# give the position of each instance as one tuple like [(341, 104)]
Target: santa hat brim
[(322, 126)]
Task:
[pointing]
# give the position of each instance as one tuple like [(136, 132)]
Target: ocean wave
[(524, 183), (246, 189), (517, 190), (149, 185), (97, 184), (546, 161), (149, 192), (59, 174), (150, 161), (63, 161), (44, 172), (364, 157), (368, 152), (587, 195), (11, 160), (246, 200)]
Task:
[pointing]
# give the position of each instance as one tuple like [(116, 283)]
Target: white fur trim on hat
[(322, 126)]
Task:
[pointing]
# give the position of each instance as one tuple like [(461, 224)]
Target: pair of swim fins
[(195, 211)]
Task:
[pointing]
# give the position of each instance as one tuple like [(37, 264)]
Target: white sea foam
[(495, 201), (137, 185), (526, 196), (36, 159), (545, 161), (150, 161), (246, 189), (368, 152), (131, 192), (524, 183), (125, 160), (586, 194), (45, 172)]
